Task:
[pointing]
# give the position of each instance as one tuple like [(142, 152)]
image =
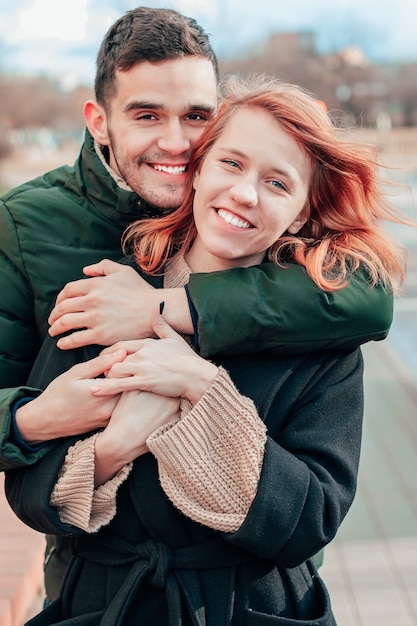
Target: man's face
[(154, 121)]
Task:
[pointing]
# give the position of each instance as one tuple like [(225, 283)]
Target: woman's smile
[(233, 219)]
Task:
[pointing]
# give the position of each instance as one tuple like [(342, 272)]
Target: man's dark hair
[(147, 34)]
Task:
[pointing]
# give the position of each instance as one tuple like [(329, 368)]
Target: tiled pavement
[(371, 567), (21, 557)]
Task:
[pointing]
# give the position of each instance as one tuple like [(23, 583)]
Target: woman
[(253, 459)]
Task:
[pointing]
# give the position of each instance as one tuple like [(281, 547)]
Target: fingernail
[(161, 307)]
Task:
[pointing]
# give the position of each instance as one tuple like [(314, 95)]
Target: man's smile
[(175, 170)]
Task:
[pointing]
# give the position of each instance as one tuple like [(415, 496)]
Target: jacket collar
[(109, 195)]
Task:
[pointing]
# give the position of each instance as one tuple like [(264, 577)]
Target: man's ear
[(96, 122), (299, 221)]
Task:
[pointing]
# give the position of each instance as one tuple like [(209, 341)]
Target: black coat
[(154, 566)]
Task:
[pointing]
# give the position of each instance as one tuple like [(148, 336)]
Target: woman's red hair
[(347, 206)]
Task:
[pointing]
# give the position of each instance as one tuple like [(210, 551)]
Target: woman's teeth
[(233, 219)]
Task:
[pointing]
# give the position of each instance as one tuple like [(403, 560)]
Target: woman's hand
[(167, 366), (136, 415)]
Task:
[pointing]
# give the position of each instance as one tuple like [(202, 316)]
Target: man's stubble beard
[(157, 203)]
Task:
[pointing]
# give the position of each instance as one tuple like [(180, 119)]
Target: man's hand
[(66, 407), (113, 304)]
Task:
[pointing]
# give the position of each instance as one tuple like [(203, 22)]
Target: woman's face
[(251, 188)]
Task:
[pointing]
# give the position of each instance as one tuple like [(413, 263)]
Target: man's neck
[(102, 151)]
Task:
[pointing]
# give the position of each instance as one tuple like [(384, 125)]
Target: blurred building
[(354, 90), (35, 110), (38, 110)]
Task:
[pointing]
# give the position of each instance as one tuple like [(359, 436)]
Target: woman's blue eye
[(278, 183)]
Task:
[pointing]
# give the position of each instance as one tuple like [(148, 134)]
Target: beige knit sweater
[(209, 460)]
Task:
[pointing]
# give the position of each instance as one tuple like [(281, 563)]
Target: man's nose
[(174, 139), (245, 193)]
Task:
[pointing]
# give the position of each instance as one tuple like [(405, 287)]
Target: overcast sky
[(61, 37)]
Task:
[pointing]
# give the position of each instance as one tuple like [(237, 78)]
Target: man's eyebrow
[(207, 108), (138, 105)]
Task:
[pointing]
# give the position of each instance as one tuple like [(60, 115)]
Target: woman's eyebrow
[(281, 171)]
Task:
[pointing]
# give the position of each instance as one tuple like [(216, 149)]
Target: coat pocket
[(324, 618)]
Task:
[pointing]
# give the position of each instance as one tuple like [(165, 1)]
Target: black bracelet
[(194, 318)]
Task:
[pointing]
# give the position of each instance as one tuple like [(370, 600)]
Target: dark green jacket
[(52, 226)]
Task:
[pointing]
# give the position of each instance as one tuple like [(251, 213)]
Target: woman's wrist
[(200, 379), (110, 457)]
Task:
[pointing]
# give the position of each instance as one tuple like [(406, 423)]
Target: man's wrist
[(15, 435), (177, 311)]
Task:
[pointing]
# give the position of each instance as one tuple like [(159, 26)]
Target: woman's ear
[(96, 122), (195, 180), (299, 221)]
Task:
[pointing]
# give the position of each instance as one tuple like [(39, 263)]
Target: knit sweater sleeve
[(210, 460), (74, 495)]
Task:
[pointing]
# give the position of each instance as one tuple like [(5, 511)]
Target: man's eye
[(146, 116), (199, 117)]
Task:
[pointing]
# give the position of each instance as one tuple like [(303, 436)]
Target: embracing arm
[(283, 310), (91, 470), (19, 341), (64, 408), (241, 310)]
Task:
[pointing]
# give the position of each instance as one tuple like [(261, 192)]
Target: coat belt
[(164, 567)]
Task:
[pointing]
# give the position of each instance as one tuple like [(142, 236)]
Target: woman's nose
[(245, 193)]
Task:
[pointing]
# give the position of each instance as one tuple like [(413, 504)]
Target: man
[(141, 128), (155, 90)]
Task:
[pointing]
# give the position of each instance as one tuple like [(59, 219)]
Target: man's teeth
[(232, 219), (171, 169)]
